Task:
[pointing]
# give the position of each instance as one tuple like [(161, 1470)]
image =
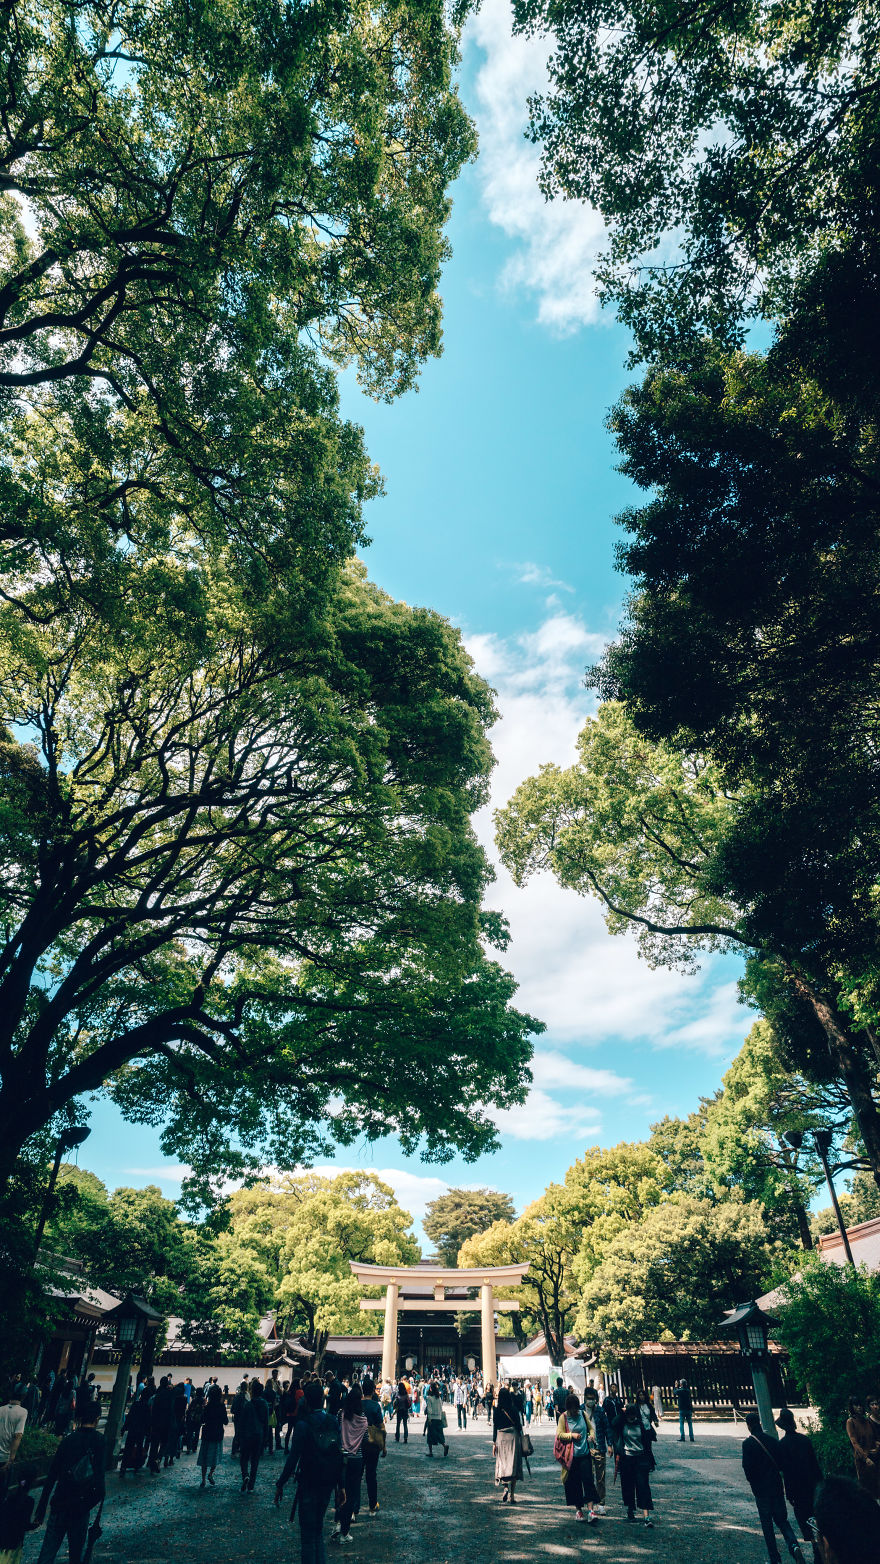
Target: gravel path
[(447, 1512)]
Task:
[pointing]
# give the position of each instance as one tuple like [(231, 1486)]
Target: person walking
[(213, 1428), (459, 1398), (195, 1413), (574, 1429), (649, 1421), (763, 1468), (374, 1444), (74, 1484), (801, 1473), (635, 1465), (161, 1416), (315, 1458), (13, 1417), (560, 1398), (402, 1405), (865, 1446), (538, 1405), (507, 1444), (435, 1420), (353, 1426), (251, 1419), (489, 1401), (136, 1429), (602, 1437), (685, 1404), (65, 1405)]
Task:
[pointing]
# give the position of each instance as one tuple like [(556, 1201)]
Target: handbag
[(563, 1449), (527, 1446), (376, 1437)]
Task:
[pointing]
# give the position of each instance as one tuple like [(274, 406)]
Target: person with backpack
[(763, 1469), (353, 1428), (684, 1402), (315, 1458), (75, 1484), (402, 1407), (213, 1427)]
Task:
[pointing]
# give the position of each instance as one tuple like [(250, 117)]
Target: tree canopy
[(240, 882), (727, 148), (306, 1229), (461, 1213), (672, 1275)]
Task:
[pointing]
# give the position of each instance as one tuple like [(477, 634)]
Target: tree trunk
[(803, 1223), (851, 1064), (319, 1345)]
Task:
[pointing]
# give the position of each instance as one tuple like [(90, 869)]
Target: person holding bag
[(507, 1444), (374, 1444), (573, 1449), (435, 1420)]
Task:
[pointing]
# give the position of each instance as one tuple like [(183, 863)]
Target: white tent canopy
[(524, 1365)]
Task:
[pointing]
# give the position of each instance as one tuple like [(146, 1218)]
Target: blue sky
[(501, 493)]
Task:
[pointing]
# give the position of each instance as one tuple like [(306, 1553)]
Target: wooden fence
[(717, 1373)]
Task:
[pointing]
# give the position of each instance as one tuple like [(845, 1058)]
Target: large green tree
[(240, 882), (456, 1216), (546, 1236), (673, 1273), (743, 1140), (307, 1229), (650, 829)]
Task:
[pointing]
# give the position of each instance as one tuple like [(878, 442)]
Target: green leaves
[(635, 824), (462, 1213), (726, 147), (254, 888)]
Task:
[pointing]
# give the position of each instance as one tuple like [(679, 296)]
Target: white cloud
[(530, 574), (541, 1117), (587, 986), (556, 241), (550, 1068)]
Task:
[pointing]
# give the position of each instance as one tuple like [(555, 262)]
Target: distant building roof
[(864, 1241)]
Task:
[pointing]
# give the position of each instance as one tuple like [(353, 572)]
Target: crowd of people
[(333, 1435)]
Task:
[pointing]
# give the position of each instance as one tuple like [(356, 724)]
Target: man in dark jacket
[(801, 1473), (763, 1469), (251, 1417), (685, 1404), (316, 1457), (76, 1484), (161, 1414)]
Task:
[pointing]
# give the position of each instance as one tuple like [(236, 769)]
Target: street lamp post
[(822, 1140), (132, 1318), (73, 1136), (752, 1327)]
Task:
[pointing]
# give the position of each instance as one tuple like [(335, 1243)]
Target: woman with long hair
[(574, 1428), (507, 1443), (214, 1422), (353, 1432), (435, 1420), (865, 1445)]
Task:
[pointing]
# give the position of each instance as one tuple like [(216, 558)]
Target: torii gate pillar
[(389, 1338), (487, 1322)]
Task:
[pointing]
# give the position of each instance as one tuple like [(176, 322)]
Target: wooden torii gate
[(394, 1277)]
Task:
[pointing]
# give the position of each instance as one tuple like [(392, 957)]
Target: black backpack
[(320, 1463), (79, 1486)]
